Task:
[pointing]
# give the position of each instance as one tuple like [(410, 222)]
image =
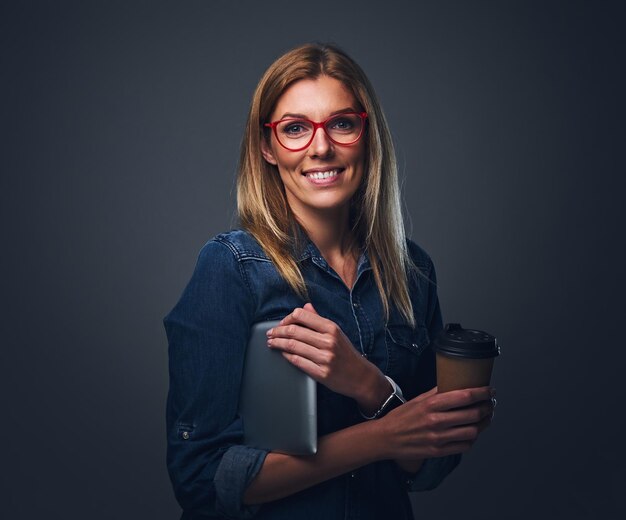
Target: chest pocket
[(404, 348)]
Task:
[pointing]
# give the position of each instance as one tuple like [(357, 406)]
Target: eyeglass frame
[(316, 125)]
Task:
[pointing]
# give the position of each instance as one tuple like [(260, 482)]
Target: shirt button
[(185, 435), (355, 305), (409, 482), (414, 345), (353, 474)]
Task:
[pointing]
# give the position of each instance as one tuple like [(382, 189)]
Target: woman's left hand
[(319, 347)]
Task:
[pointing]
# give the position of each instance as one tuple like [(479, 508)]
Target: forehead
[(315, 98)]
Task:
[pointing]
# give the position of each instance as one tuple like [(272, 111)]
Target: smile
[(323, 177)]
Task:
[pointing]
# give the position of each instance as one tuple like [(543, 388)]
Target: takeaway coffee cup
[(464, 357)]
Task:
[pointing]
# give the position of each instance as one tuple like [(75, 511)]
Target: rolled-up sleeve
[(207, 333), (431, 473)]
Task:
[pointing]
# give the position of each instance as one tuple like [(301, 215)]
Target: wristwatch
[(393, 401)]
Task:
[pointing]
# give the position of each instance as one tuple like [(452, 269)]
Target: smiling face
[(324, 176)]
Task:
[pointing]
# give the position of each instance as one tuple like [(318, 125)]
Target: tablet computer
[(277, 402)]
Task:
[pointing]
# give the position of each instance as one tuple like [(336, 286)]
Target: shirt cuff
[(431, 473), (238, 467)]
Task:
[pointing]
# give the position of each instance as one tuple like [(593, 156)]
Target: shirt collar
[(310, 250)]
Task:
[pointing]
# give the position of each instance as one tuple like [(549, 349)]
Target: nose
[(321, 145)]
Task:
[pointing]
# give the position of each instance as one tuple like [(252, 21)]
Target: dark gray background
[(121, 123)]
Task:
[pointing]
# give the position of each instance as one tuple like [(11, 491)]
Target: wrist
[(375, 390), (393, 400)]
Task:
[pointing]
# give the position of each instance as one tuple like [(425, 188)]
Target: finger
[(463, 416), (309, 307), (299, 333), (291, 318), (306, 365), (494, 403), (312, 320), (460, 434), (452, 448), (299, 348), (464, 434), (461, 398), (482, 425)]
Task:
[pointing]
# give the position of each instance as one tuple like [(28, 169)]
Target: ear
[(268, 155)]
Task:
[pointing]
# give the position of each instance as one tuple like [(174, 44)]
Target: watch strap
[(394, 400)]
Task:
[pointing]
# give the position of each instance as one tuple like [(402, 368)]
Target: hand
[(318, 347), (436, 425)]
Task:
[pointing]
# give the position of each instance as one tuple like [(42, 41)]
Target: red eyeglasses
[(296, 134)]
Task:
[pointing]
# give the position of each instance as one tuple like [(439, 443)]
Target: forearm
[(338, 453), (375, 391)]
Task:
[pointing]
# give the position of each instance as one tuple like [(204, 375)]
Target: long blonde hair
[(376, 215)]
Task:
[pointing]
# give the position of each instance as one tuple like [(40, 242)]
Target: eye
[(294, 128), (342, 124)]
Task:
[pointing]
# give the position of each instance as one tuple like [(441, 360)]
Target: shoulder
[(225, 258), (420, 257), (241, 244), (226, 252), (218, 281)]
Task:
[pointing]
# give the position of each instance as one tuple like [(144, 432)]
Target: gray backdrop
[(121, 123)]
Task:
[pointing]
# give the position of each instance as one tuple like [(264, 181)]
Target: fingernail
[(269, 342), (269, 332)]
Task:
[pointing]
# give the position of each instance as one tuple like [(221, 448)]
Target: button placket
[(355, 312)]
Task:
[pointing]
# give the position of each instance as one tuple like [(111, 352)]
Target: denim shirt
[(235, 285)]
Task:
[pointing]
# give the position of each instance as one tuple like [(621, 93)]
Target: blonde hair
[(376, 215)]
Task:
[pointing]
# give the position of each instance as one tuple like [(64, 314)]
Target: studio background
[(121, 123)]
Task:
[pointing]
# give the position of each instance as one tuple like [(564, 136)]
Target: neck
[(329, 231)]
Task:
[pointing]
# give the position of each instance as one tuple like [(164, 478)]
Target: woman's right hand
[(436, 425), (431, 425)]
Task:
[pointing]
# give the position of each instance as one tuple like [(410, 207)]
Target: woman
[(323, 249)]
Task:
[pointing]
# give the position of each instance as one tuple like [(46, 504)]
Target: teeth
[(322, 175)]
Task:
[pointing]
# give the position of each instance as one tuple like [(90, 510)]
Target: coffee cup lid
[(456, 341)]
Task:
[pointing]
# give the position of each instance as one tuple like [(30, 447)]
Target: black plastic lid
[(456, 341)]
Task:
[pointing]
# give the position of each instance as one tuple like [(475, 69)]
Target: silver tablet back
[(278, 401)]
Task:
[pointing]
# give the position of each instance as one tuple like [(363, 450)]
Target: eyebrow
[(302, 116)]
